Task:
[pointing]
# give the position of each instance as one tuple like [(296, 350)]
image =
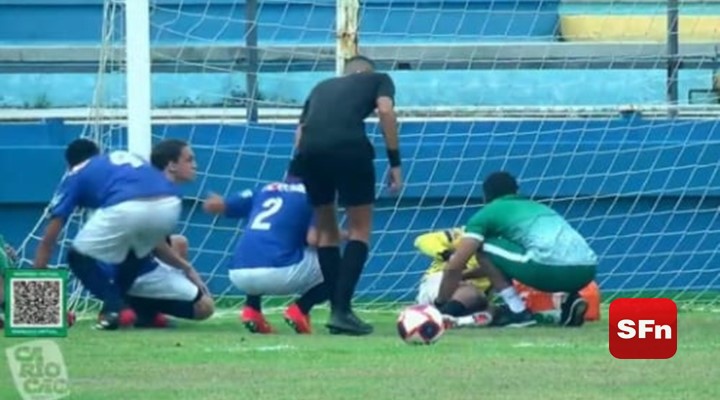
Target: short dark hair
[(80, 150), (499, 184), (167, 151), (358, 63)]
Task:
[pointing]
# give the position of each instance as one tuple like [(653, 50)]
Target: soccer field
[(219, 360)]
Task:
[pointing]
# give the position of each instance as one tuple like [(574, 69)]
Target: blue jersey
[(278, 218), (106, 180)]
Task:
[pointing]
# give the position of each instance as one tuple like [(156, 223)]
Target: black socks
[(330, 260), (254, 302), (352, 265), (316, 295)]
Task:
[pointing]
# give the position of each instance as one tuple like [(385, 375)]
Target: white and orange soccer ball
[(420, 325)]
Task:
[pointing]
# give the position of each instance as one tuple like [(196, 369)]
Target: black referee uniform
[(337, 156), (336, 162)]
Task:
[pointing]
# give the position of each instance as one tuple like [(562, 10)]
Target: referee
[(336, 158)]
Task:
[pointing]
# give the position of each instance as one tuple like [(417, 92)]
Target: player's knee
[(470, 297), (328, 233), (360, 222), (204, 308), (180, 244)]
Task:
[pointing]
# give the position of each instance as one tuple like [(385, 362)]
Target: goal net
[(475, 95)]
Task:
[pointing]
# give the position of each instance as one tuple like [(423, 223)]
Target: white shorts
[(164, 283), (429, 289), (293, 279), (137, 225)]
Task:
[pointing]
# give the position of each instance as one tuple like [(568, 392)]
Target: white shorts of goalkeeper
[(293, 279), (429, 289), (138, 225)]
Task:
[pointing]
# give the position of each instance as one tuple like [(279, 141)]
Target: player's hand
[(195, 279), (214, 204), (395, 179)]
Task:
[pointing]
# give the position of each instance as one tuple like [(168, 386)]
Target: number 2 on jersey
[(270, 207)]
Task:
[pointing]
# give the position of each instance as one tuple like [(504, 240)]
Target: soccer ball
[(420, 325)]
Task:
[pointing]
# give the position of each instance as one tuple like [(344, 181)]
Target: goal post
[(346, 43), (138, 78)]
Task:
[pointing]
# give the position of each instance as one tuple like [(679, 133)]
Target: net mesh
[(642, 187)]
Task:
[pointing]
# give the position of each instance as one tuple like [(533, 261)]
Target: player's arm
[(475, 273), (468, 247), (165, 253), (453, 272), (234, 206), (61, 207), (385, 104), (437, 245)]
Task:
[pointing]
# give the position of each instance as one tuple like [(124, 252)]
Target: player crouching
[(273, 256), (162, 282), (161, 289), (157, 291)]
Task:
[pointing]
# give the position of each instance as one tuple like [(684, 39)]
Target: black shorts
[(349, 175)]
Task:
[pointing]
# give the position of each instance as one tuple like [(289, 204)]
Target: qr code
[(36, 302)]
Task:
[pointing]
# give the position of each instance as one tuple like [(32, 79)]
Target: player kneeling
[(273, 256), (468, 305), (161, 289), (516, 238)]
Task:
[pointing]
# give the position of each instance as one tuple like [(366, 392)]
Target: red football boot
[(255, 321), (71, 318), (156, 321), (109, 322), (297, 320)]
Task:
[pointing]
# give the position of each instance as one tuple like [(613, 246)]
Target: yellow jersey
[(433, 243)]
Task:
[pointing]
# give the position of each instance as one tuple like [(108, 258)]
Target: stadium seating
[(479, 24), (630, 21)]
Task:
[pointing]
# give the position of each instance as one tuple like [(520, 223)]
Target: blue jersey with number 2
[(278, 218), (109, 179)]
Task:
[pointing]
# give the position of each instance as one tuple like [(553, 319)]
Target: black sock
[(254, 302), (353, 262), (330, 261), (454, 308), (316, 295)]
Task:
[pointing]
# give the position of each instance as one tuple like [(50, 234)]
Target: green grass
[(219, 360)]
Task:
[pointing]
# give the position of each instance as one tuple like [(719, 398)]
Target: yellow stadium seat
[(637, 28)]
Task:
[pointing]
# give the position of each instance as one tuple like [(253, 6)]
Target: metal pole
[(673, 49), (138, 76), (251, 44), (346, 44)]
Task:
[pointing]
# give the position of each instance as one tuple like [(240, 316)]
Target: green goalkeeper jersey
[(544, 234)]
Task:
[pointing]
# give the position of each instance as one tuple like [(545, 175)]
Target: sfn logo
[(38, 370), (643, 328)]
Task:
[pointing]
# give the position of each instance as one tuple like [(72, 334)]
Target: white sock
[(512, 299)]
